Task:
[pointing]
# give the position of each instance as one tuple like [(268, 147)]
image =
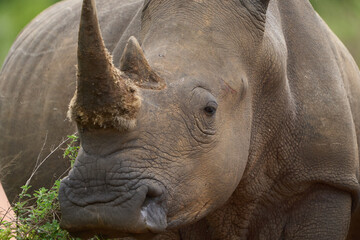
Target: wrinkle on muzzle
[(143, 212)]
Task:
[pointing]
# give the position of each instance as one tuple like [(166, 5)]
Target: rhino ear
[(258, 9), (259, 5), (264, 3), (134, 64)]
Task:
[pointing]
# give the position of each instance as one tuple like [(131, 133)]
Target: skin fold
[(197, 119)]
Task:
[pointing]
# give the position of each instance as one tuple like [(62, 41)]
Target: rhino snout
[(140, 212)]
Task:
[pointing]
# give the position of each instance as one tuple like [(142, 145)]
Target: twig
[(41, 150), (49, 155), (7, 211)]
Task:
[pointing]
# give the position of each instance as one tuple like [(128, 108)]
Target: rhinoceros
[(198, 119)]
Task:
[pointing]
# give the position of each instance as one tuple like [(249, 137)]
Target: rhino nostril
[(154, 191), (153, 210)]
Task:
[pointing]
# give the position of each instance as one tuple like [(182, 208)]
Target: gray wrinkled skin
[(278, 160)]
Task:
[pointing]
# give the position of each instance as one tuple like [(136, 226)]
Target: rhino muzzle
[(108, 97), (142, 212)]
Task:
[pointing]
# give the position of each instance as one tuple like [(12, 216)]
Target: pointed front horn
[(104, 97)]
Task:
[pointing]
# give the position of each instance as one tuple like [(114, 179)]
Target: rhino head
[(165, 137)]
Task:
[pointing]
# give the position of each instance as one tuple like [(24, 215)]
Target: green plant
[(38, 214), (72, 149)]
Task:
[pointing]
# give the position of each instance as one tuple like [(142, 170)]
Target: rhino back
[(37, 82)]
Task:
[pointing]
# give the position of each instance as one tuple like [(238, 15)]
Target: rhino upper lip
[(145, 209), (116, 199)]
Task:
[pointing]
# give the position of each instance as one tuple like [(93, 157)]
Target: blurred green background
[(343, 16)]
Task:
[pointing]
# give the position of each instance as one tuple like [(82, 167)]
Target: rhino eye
[(210, 109)]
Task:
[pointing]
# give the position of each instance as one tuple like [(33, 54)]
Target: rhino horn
[(133, 62), (104, 97)]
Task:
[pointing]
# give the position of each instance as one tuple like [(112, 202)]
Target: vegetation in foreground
[(38, 214)]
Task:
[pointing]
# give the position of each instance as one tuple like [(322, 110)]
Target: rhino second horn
[(104, 97), (133, 62)]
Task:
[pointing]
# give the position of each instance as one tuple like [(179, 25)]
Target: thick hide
[(235, 119)]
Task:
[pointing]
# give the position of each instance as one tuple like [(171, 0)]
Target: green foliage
[(39, 220), (72, 149), (343, 17), (38, 214), (5, 230), (14, 15)]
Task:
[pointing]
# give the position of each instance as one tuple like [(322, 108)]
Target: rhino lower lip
[(110, 234), (152, 219)]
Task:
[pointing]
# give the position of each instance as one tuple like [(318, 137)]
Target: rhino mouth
[(142, 214)]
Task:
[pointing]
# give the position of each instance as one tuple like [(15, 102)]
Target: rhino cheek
[(209, 180), (201, 191)]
